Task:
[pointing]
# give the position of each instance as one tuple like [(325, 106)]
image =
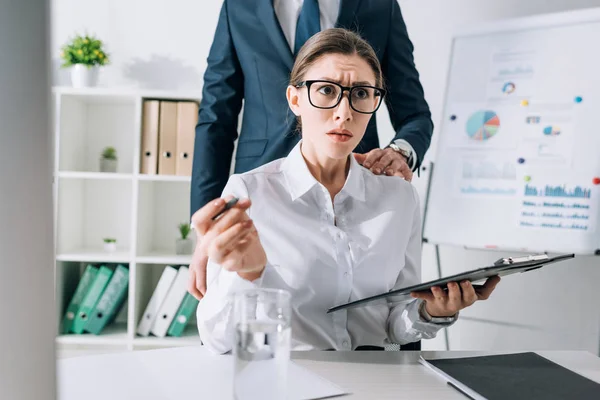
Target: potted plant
[(184, 245), (108, 160), (84, 54), (110, 244)]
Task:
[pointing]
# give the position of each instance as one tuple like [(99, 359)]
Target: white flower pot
[(107, 165), (83, 76), (184, 247), (110, 247)]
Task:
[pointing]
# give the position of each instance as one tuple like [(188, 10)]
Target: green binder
[(82, 287), (185, 311), (110, 302), (91, 298)]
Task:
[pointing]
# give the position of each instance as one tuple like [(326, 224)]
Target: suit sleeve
[(216, 130), (409, 112)]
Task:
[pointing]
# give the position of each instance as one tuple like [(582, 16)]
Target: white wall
[(555, 308), (26, 273), (155, 45)]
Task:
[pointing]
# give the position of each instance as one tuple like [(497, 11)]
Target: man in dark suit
[(251, 58)]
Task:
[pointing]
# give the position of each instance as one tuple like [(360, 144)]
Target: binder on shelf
[(149, 150), (167, 138), (169, 307), (110, 302), (82, 288), (91, 298), (182, 317), (158, 297), (187, 118)]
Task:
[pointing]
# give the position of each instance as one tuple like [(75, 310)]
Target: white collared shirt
[(288, 11), (366, 242)]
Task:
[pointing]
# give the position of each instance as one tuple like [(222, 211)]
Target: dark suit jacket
[(251, 60)]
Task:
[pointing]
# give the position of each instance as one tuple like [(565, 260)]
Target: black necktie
[(308, 23)]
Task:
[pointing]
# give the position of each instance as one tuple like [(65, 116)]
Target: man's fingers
[(401, 169), (360, 158), (382, 164), (372, 157)]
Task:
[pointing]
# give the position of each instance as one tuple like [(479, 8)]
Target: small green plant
[(84, 49), (110, 240), (184, 230), (109, 153)]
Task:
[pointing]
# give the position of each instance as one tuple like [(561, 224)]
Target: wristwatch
[(404, 150), (435, 320)]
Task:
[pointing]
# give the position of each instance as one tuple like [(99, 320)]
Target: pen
[(228, 205)]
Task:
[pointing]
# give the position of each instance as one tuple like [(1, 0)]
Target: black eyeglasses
[(326, 94)]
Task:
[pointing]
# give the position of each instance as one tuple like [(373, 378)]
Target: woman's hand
[(232, 240), (439, 303)]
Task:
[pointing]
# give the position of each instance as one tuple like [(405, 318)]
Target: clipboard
[(502, 267)]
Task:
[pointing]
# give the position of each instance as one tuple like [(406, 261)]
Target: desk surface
[(380, 375), (398, 375)]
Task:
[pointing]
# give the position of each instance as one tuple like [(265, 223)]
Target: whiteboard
[(518, 159)]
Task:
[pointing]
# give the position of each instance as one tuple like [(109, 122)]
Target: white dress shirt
[(367, 241), (288, 11)]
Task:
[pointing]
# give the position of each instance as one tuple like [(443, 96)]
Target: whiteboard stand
[(435, 246)]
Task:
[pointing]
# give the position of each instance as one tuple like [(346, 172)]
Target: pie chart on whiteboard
[(483, 125)]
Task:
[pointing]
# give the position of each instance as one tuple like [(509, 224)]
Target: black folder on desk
[(502, 267), (522, 376)]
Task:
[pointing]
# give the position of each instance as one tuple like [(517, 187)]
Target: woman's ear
[(293, 96)]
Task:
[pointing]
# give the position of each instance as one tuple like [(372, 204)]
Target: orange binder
[(149, 151), (167, 138), (187, 118)]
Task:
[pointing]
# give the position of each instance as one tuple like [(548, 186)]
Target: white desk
[(397, 375), (372, 375)]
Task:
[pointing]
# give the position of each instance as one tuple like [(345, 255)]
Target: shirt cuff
[(415, 158), (417, 324), (425, 317)]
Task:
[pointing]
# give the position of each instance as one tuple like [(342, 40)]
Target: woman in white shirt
[(321, 226)]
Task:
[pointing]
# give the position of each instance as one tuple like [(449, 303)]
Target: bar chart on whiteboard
[(518, 159)]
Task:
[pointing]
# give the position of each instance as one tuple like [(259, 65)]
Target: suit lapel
[(267, 16), (346, 15)]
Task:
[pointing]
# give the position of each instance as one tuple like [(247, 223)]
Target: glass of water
[(262, 320)]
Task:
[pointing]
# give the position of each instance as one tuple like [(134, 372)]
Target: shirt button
[(345, 343), (346, 274)]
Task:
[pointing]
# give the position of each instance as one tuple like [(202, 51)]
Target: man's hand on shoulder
[(385, 161)]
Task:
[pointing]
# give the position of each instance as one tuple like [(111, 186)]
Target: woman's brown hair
[(334, 41)]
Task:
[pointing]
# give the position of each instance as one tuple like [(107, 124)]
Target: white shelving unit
[(141, 211)]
